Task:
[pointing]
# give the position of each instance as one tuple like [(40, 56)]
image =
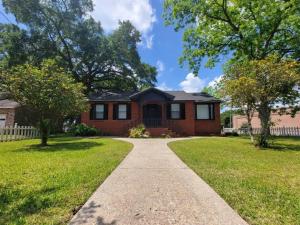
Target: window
[(175, 111), (100, 112), (205, 111), (122, 111)]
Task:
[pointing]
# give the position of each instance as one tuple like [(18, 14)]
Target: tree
[(211, 90), (214, 90), (49, 92), (63, 30), (247, 29), (226, 118), (240, 92), (258, 85)]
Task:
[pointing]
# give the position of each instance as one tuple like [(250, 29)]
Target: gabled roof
[(170, 95), (155, 90), (8, 104), (197, 97)]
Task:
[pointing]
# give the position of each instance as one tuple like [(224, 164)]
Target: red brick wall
[(188, 126), (279, 121), (10, 116), (110, 126), (209, 127)]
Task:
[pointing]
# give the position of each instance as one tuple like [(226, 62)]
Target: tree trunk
[(250, 129), (265, 117), (44, 129)]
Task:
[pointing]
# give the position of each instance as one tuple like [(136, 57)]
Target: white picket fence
[(275, 131), (18, 133)]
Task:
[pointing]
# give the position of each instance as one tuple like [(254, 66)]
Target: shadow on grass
[(61, 146), (276, 143), (16, 204), (284, 147), (282, 143)]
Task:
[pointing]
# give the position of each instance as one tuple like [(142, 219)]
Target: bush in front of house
[(139, 132), (83, 130)]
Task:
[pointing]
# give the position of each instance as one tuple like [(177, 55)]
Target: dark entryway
[(152, 115)]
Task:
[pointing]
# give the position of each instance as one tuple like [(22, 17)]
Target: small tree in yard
[(48, 90), (241, 95), (259, 85)]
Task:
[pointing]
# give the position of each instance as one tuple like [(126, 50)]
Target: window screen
[(175, 111), (203, 112), (122, 111), (100, 111)]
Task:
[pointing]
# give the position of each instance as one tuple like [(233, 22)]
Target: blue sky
[(161, 46)]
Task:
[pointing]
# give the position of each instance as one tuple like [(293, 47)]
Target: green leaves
[(249, 29), (47, 90), (63, 30), (269, 80), (258, 85)]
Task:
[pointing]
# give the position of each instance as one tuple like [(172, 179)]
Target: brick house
[(278, 120), (160, 111), (7, 112)]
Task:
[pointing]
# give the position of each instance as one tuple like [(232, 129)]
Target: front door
[(152, 114)]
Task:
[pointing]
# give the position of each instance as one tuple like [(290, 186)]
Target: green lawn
[(262, 185), (45, 185)]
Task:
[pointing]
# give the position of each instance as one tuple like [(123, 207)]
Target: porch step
[(161, 131)]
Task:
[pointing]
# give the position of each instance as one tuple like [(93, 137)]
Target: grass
[(46, 185), (263, 186)]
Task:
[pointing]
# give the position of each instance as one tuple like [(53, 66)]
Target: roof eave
[(136, 95), (210, 101)]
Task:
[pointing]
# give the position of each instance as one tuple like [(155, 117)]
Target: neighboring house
[(278, 120), (12, 113), (160, 111), (7, 112)]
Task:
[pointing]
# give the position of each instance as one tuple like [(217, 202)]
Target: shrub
[(84, 130), (139, 132), (233, 133), (244, 126)]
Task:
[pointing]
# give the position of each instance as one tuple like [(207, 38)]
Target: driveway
[(153, 186)]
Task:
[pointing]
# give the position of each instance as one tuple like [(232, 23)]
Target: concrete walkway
[(153, 186)]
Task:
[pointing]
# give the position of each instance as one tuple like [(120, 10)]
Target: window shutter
[(92, 111), (105, 116), (115, 112), (182, 111), (168, 111), (128, 111), (212, 111)]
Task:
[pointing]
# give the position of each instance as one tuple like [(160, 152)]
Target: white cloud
[(163, 86), (160, 66), (148, 40), (139, 12), (192, 83), (215, 81)]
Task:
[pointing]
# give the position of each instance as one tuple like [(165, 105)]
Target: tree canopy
[(247, 29), (258, 85), (48, 91), (64, 30)]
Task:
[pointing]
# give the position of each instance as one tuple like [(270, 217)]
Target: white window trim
[(178, 110), (210, 113), (103, 112), (123, 111)]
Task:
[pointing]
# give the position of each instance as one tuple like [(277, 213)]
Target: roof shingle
[(178, 96)]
